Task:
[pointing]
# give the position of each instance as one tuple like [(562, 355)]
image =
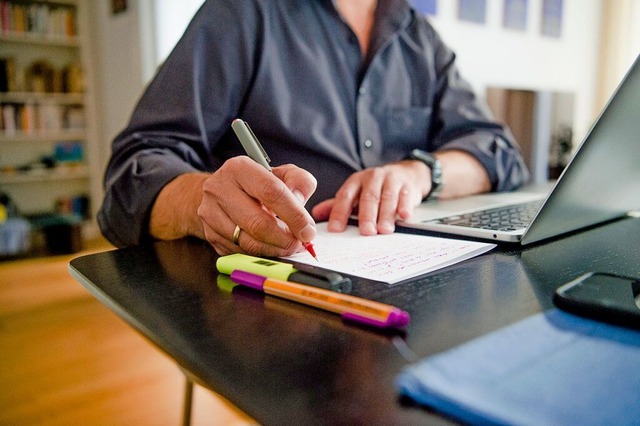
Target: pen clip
[(258, 144), (250, 143)]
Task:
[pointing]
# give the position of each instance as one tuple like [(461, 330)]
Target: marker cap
[(248, 279), (396, 319)]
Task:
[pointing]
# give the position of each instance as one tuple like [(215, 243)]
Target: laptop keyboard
[(506, 218)]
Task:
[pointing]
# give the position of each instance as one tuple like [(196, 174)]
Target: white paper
[(389, 258)]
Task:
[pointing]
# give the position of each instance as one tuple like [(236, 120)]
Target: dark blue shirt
[(295, 72)]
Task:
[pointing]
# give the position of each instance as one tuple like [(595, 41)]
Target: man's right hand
[(267, 207)]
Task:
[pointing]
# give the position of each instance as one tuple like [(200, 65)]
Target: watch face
[(436, 172)]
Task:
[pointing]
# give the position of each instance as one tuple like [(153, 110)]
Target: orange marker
[(351, 308)]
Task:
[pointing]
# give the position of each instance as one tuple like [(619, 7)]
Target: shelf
[(43, 136), (44, 176), (58, 2), (39, 97), (47, 47), (40, 39)]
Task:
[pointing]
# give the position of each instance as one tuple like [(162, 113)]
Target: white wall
[(621, 43), (118, 68), (127, 48), (171, 17), (491, 55)]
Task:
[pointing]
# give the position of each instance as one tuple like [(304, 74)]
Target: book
[(9, 119), (388, 258)]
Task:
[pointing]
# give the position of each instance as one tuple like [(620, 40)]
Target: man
[(338, 92)]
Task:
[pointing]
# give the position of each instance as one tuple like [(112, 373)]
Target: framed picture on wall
[(515, 14), (472, 11), (428, 7), (552, 18)]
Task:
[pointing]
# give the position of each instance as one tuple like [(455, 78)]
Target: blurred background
[(71, 72)]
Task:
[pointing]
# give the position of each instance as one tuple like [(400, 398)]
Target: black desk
[(283, 363)]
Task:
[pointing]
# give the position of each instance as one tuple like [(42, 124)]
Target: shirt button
[(362, 91), (368, 143)]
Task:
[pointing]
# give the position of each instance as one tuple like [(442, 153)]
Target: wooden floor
[(65, 359)]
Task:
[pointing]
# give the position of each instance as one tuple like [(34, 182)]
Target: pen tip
[(311, 251)]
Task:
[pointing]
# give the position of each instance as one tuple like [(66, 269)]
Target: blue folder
[(553, 368)]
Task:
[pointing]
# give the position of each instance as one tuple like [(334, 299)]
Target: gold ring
[(236, 235)]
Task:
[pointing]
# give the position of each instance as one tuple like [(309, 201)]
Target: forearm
[(462, 174), (174, 212)]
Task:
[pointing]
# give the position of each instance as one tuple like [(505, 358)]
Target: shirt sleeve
[(168, 134), (464, 122)]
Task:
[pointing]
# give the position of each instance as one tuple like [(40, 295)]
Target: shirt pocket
[(406, 129)]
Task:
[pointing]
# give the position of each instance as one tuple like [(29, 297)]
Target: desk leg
[(188, 401)]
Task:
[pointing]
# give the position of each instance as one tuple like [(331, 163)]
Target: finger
[(369, 202), (222, 237), (276, 196), (218, 227), (263, 230), (322, 210), (343, 204), (388, 207), (222, 245), (408, 200), (252, 245), (299, 181), (227, 203)]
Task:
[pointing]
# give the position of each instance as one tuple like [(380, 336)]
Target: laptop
[(601, 183)]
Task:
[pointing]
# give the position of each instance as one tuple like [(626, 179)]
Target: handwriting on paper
[(388, 258)]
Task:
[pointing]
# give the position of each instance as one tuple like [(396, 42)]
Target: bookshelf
[(47, 124)]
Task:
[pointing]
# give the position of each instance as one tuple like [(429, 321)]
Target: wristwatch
[(436, 171)]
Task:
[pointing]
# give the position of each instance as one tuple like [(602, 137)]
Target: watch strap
[(436, 171)]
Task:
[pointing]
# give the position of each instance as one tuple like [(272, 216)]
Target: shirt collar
[(395, 14), (391, 17)]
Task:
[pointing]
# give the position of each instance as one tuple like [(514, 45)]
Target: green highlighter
[(283, 271)]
